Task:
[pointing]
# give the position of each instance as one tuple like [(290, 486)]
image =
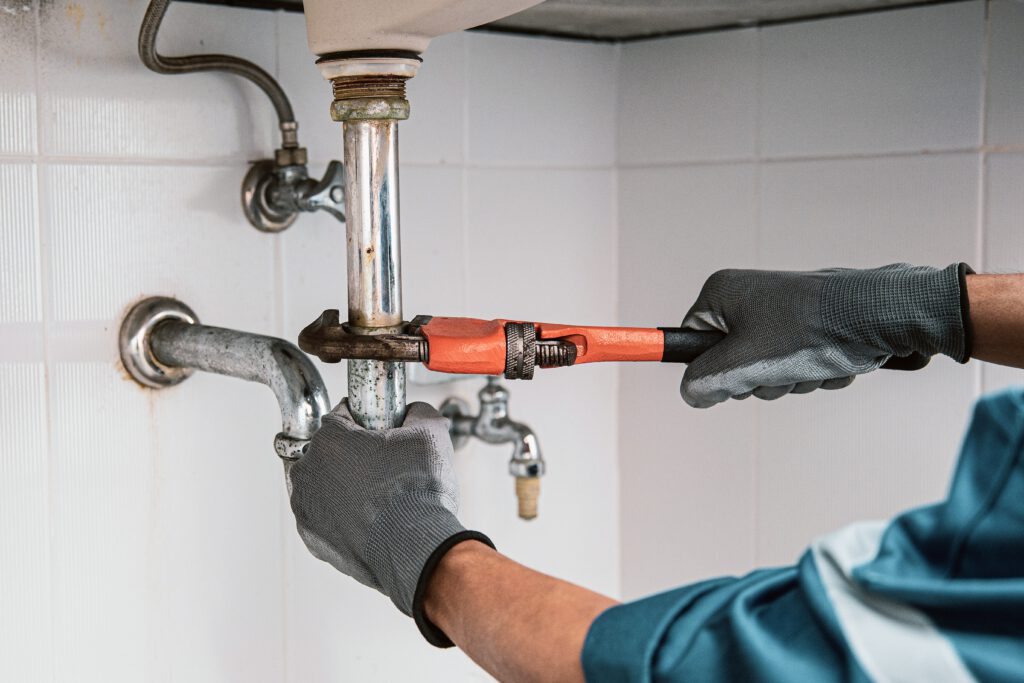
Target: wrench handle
[(683, 346)]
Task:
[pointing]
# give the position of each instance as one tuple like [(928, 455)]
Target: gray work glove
[(380, 506), (793, 332)]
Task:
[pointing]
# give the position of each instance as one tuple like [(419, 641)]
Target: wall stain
[(76, 13)]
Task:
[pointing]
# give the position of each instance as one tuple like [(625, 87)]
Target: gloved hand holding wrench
[(761, 333), (382, 506)]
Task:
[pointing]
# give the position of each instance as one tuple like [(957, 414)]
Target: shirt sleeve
[(936, 594), (761, 627)]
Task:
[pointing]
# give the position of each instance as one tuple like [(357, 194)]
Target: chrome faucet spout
[(493, 425)]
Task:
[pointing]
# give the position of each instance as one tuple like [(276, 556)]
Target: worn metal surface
[(273, 194), (376, 389), (374, 258), (493, 425), (331, 341), (164, 333), (134, 341)]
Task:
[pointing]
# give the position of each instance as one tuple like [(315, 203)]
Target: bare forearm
[(997, 318), (518, 624)]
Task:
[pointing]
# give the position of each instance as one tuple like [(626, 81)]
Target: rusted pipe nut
[(291, 156), (528, 493), (370, 108), (289, 447)]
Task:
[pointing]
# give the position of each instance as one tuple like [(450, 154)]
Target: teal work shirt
[(937, 594)]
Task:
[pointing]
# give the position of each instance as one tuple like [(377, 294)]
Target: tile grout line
[(228, 162), (464, 175), (982, 161), (43, 279), (758, 224), (617, 275), (280, 310)]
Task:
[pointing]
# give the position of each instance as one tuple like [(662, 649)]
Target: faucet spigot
[(493, 425), (275, 192)]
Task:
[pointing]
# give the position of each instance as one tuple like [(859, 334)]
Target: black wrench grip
[(683, 346)]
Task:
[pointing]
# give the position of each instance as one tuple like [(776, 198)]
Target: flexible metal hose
[(213, 62)]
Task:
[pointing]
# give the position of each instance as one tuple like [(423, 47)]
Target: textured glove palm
[(377, 504), (793, 332)]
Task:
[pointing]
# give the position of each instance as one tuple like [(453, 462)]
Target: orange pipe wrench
[(511, 348)]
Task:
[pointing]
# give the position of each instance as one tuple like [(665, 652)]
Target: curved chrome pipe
[(162, 341)]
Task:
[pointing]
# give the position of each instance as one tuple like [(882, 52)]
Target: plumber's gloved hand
[(380, 506), (793, 332)]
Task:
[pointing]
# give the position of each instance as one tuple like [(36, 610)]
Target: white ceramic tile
[(869, 212), (17, 76), (1004, 240), (677, 226), (1004, 228), (25, 636), (540, 102), (542, 245), (432, 135), (688, 483), (118, 233), (435, 131), (98, 99), (870, 451), (893, 81), (433, 249), (218, 602), (688, 98), (1005, 125), (885, 443), (19, 245), (105, 540)]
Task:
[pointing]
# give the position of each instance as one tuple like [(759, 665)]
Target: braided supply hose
[(214, 62)]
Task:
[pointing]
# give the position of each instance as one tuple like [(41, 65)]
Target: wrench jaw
[(452, 345)]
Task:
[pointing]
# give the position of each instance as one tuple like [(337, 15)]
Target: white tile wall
[(25, 627), (562, 88), (701, 105), (17, 77), (884, 113), (120, 232), (1005, 125), (148, 535), (1004, 240), (98, 100), (869, 212), (895, 81), (19, 245)]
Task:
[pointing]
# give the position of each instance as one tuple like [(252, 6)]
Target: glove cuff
[(431, 632), (963, 270), (901, 310)]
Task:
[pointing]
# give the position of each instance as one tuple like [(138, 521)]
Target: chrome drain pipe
[(369, 101), (162, 343)]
